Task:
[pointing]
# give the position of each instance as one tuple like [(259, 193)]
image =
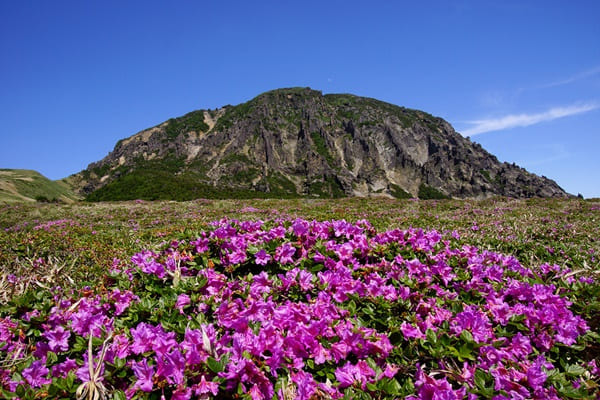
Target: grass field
[(84, 248), (90, 235), (22, 185)]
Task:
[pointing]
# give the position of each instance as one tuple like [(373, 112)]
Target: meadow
[(307, 299)]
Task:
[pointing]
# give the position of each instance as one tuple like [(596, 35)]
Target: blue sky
[(521, 77)]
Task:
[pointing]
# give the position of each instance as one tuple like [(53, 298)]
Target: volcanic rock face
[(298, 142)]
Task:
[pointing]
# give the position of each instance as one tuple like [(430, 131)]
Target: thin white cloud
[(494, 98), (574, 78), (520, 120)]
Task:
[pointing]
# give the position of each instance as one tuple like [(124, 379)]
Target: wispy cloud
[(574, 78), (502, 97), (520, 120)]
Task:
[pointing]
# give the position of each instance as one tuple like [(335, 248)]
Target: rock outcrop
[(299, 142)]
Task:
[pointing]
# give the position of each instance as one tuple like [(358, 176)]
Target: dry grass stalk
[(94, 389)]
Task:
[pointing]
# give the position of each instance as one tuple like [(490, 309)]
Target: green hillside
[(18, 185)]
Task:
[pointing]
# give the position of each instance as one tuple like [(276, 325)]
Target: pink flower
[(90, 317), (164, 341), (205, 387), (305, 280), (122, 300), (305, 383), (255, 393), (410, 331), (345, 251), (262, 257), (64, 368), (37, 374), (237, 257), (143, 336), (535, 376), (182, 393), (350, 374), (300, 227), (429, 388), (474, 321), (261, 284), (144, 374), (58, 339), (390, 371), (146, 261), (284, 253), (120, 346), (520, 345), (172, 367), (183, 300), (201, 245)]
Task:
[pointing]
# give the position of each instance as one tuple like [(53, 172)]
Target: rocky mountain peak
[(298, 142)]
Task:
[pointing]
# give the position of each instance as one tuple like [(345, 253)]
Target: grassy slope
[(84, 238), (18, 185)]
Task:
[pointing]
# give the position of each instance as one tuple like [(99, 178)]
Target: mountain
[(17, 185), (299, 142)]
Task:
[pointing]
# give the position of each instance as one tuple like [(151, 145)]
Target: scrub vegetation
[(300, 298)]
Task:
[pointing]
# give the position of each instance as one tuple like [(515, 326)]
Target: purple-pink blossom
[(144, 374), (183, 300), (262, 257), (58, 339), (284, 253), (36, 374)]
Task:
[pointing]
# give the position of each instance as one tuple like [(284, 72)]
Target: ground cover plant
[(286, 299)]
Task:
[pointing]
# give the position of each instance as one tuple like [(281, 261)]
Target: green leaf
[(54, 388), (119, 395), (351, 306), (7, 394), (396, 338), (484, 383), (368, 310), (466, 336), (444, 340), (466, 352), (214, 365), (479, 378), (408, 387), (316, 267), (120, 363), (51, 357), (391, 386), (80, 344), (594, 335), (431, 336), (574, 370), (20, 391), (70, 379)]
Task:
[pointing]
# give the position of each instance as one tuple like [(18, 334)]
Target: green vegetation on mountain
[(160, 180), (399, 193), (429, 193), (17, 185), (193, 121)]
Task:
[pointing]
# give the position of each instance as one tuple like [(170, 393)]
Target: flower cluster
[(306, 309)]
